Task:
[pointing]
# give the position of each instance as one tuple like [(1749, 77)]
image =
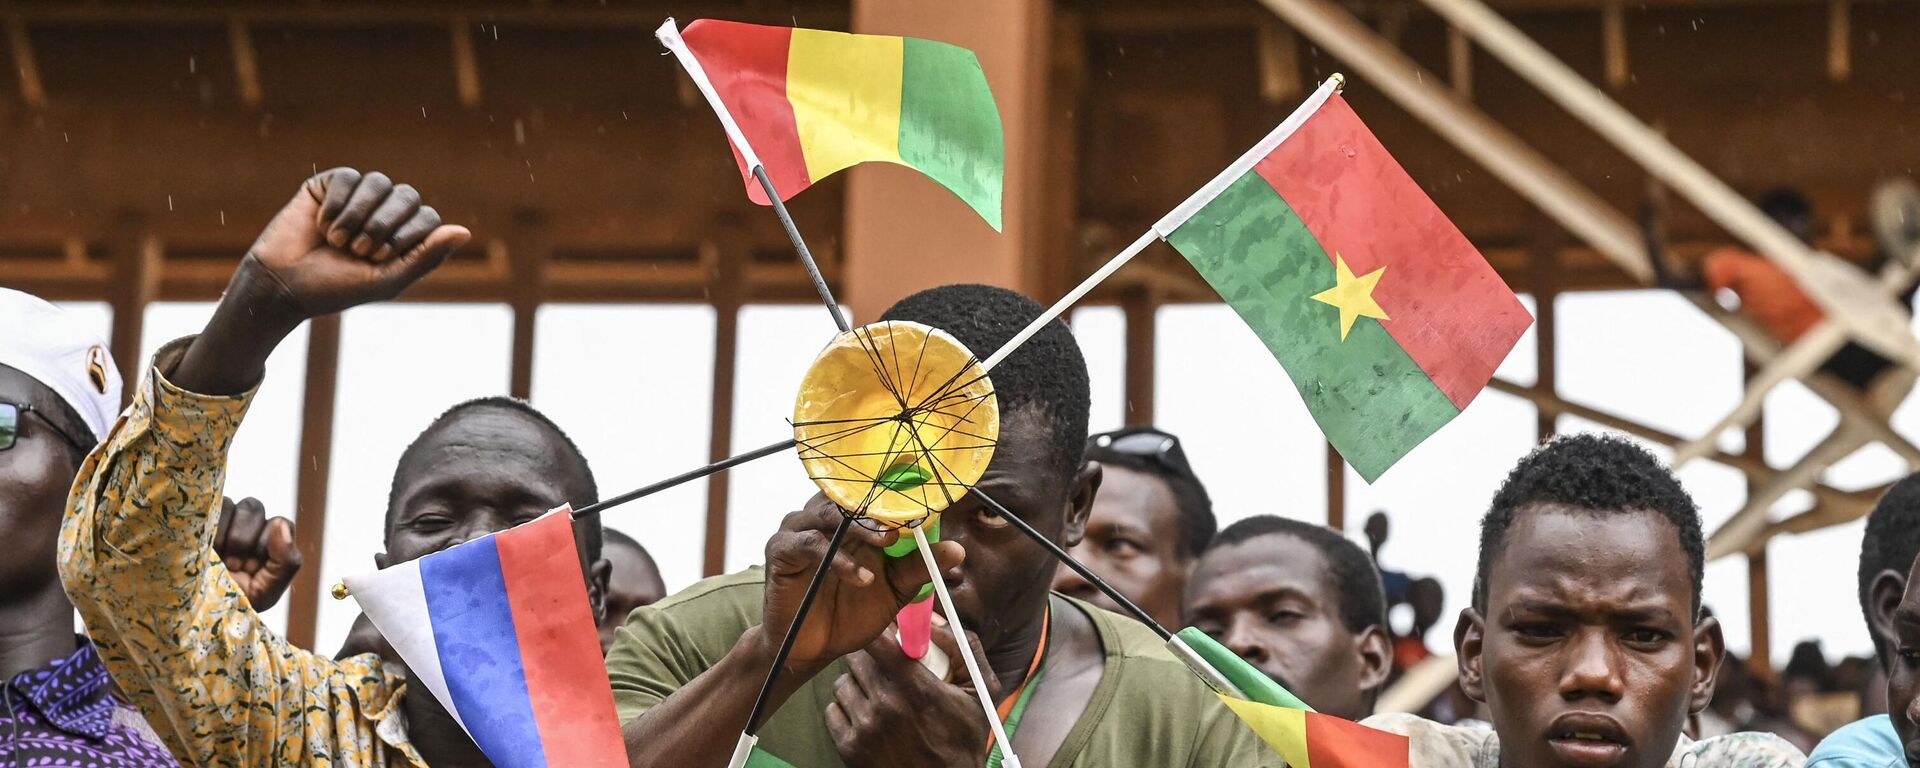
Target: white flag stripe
[(396, 601)]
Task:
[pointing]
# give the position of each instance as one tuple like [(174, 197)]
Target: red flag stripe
[(747, 64), (559, 644), (1336, 743), (1447, 307)]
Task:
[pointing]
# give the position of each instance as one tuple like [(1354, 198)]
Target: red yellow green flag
[(1313, 740), (1388, 321), (811, 102), (1303, 737)]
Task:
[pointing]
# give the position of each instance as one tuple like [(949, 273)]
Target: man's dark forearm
[(700, 724), (1665, 277), (1653, 236), (230, 356)]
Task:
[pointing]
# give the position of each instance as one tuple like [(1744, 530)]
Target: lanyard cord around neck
[(1014, 705)]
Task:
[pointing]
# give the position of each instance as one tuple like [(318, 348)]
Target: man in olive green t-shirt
[(1091, 688)]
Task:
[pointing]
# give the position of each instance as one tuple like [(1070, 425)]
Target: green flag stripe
[(949, 125), (1369, 397), (1252, 682), (760, 758)]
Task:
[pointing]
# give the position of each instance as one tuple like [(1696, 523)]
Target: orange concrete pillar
[(904, 233)]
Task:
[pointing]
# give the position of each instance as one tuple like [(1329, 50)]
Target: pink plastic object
[(916, 628)]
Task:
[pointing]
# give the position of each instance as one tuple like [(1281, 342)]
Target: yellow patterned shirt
[(136, 556)]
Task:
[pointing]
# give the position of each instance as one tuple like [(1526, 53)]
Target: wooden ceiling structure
[(143, 144)]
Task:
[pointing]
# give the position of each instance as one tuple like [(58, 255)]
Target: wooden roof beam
[(489, 276), (1460, 64), (1746, 531), (1824, 516), (1839, 41), (1797, 361), (1863, 307), (1613, 42), (1754, 467), (246, 63), (1542, 182), (1132, 19), (423, 16), (1278, 59), (466, 67), (32, 90), (1519, 166)]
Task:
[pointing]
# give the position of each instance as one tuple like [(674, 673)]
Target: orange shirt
[(1408, 651), (1767, 293)]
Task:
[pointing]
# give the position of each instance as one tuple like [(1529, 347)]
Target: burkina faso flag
[(1385, 317)]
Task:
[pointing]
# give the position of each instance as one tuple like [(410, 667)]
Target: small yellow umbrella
[(895, 421)]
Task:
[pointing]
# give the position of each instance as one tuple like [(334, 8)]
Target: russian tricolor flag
[(502, 633)]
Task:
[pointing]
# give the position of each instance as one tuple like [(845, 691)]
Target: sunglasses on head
[(1155, 446), (10, 417)]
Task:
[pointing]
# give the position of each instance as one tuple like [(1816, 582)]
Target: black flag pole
[(793, 628), (669, 35), (1074, 563), (684, 477), (800, 247), (1178, 647)]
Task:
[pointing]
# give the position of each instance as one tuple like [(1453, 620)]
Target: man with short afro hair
[(1593, 472), (1093, 688), (1149, 524), (1585, 638), (984, 318), (1888, 551), (1301, 603)]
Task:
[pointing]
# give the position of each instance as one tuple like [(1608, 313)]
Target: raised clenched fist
[(347, 239), (342, 241)]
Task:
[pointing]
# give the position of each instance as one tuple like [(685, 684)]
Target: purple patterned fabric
[(65, 715)]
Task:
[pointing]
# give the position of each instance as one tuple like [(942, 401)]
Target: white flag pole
[(1178, 216), (669, 34), (966, 650), (743, 750)]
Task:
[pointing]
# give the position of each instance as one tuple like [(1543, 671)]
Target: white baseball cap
[(41, 341)]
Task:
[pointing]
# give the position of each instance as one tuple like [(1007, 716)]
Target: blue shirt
[(65, 714), (1869, 743)]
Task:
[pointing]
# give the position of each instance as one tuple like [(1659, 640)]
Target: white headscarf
[(41, 341)]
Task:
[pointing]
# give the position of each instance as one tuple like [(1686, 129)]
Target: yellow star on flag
[(1353, 295)]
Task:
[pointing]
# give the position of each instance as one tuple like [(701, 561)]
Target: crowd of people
[(1584, 643)]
